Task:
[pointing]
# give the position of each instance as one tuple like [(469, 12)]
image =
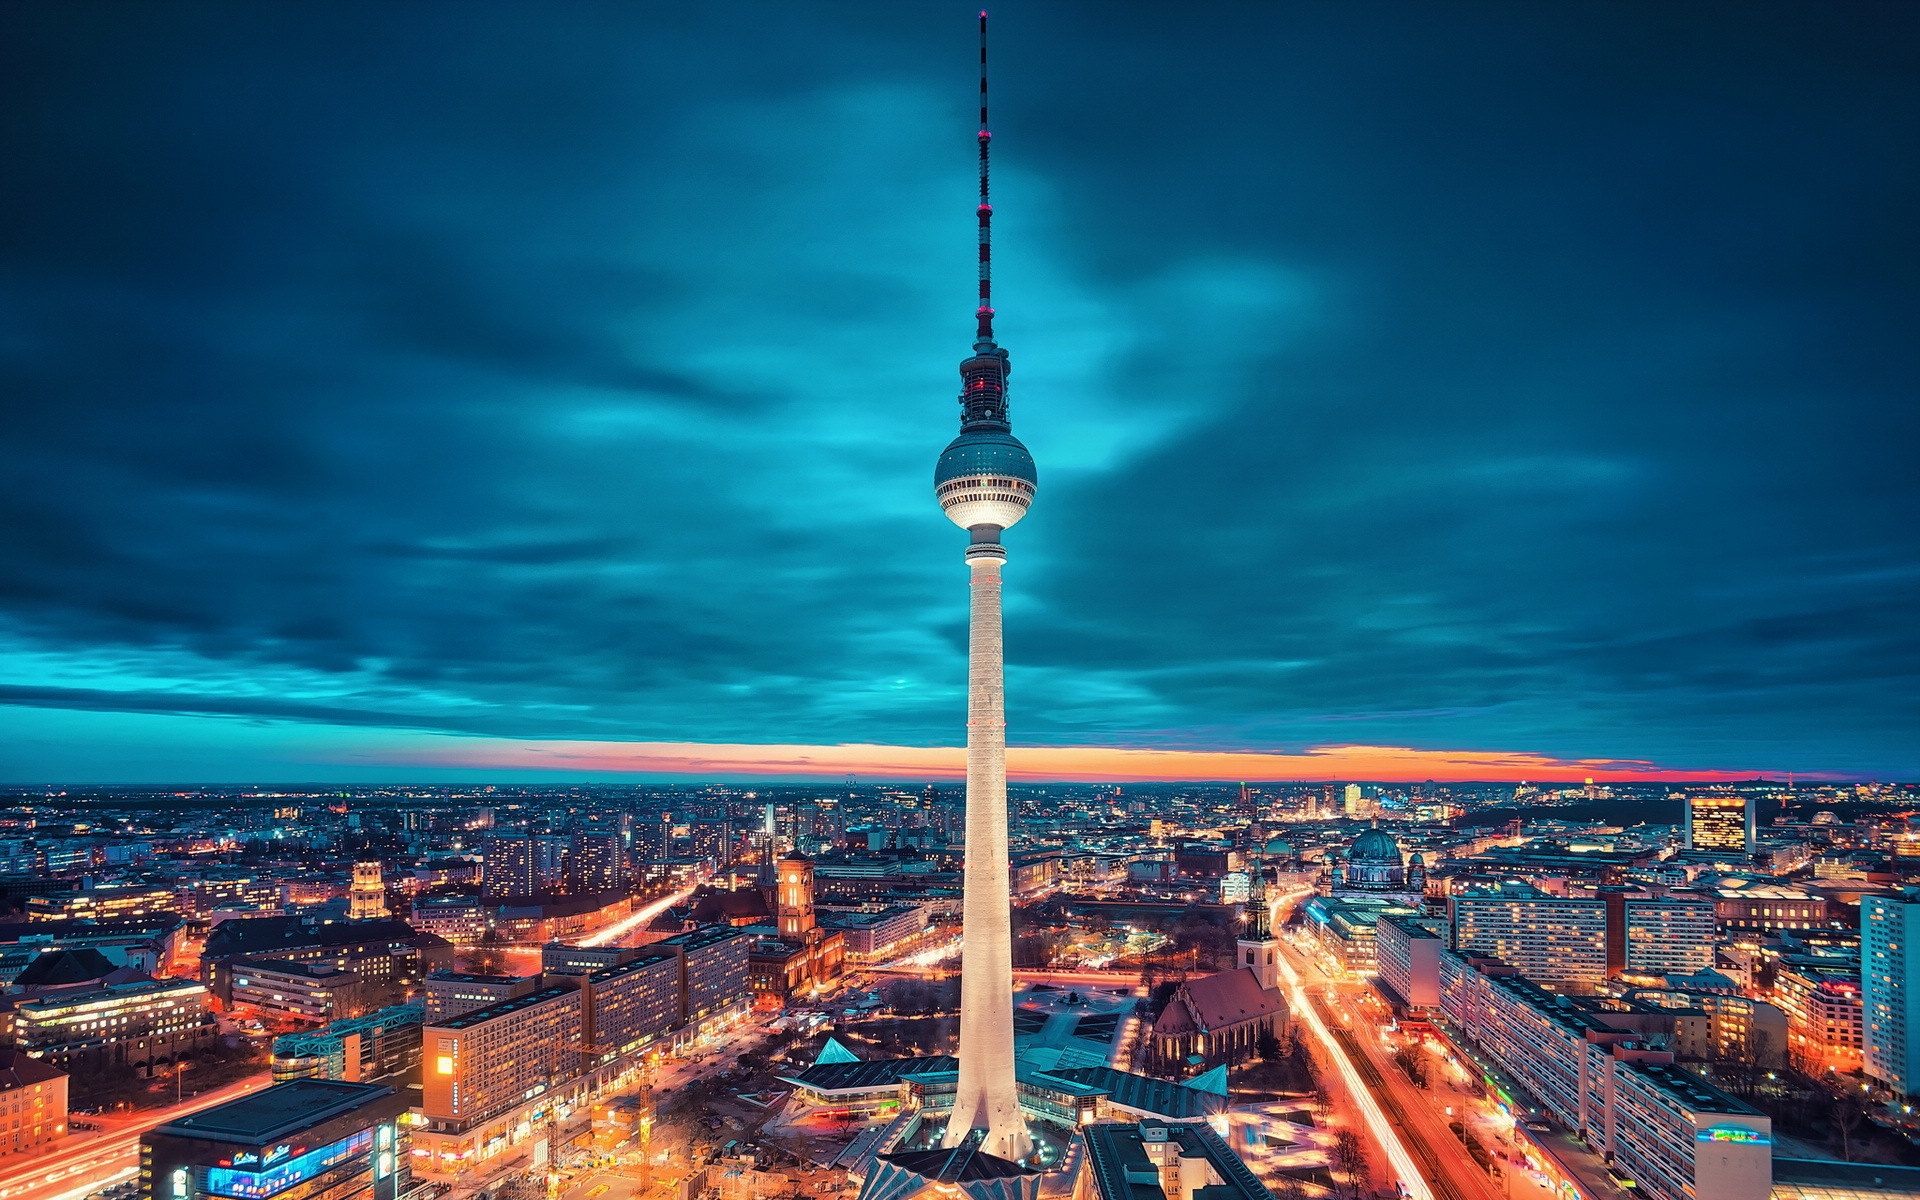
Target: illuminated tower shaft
[(986, 1098), (985, 482)]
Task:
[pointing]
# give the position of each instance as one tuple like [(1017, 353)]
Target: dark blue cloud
[(1521, 378)]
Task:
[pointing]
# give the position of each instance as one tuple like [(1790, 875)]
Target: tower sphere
[(985, 477)]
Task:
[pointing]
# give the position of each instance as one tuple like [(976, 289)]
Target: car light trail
[(628, 924), (1410, 1177)]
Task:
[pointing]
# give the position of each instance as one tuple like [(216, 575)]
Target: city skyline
[(1453, 396)]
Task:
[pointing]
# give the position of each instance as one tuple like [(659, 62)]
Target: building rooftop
[(284, 966), (18, 1070), (130, 990), (1160, 1097), (700, 939), (877, 1073), (1121, 1169), (1692, 1091), (276, 1112), (482, 1015), (652, 958)]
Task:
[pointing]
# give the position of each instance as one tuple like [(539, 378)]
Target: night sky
[(464, 390)]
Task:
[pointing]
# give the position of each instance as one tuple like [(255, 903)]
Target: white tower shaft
[(987, 1098)]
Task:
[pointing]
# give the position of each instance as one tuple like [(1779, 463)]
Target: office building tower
[(1890, 986), (985, 481), (1720, 822)]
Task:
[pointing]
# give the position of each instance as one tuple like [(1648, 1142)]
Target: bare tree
[(1350, 1157), (1846, 1119)]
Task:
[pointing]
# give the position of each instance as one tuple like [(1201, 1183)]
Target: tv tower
[(984, 482)]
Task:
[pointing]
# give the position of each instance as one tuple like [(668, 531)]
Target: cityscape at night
[(1388, 672)]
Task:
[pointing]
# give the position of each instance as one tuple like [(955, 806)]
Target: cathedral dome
[(1375, 845)]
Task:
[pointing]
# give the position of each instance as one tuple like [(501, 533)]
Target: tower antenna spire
[(984, 315)]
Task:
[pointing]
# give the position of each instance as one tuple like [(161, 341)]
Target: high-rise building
[(714, 840), (1890, 983), (367, 896), (524, 864), (1353, 801), (985, 481), (596, 862), (1719, 821)]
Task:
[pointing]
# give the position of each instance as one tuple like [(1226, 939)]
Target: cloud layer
[(1535, 380)]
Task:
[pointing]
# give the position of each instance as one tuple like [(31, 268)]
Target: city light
[(1357, 1090)]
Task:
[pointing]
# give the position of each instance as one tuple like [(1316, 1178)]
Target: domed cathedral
[(1375, 865)]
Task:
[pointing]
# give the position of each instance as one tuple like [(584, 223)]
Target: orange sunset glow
[(1041, 763)]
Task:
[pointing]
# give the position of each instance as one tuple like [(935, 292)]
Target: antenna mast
[(985, 211)]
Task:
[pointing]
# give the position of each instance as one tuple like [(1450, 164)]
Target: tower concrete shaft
[(987, 1099)]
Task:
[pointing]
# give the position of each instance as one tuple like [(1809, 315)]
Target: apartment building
[(492, 1072), (1670, 1132), (1825, 1019), (632, 1003), (1551, 939), (1890, 983), (713, 977), (33, 1103), (1667, 936), (484, 1063)]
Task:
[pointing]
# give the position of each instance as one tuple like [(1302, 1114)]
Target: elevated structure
[(985, 482)]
